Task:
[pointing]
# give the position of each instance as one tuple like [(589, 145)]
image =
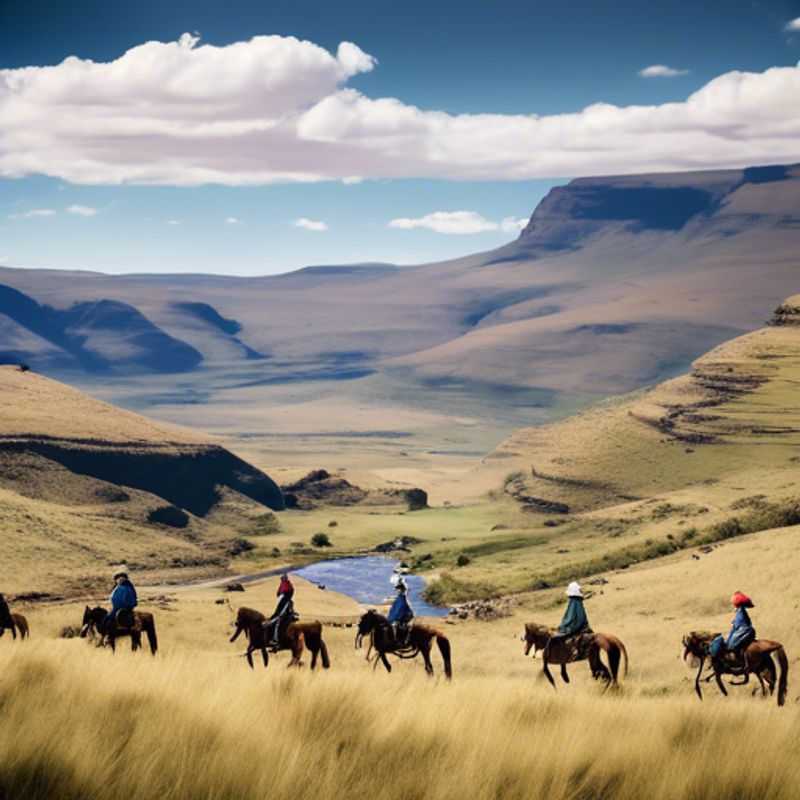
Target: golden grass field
[(195, 722)]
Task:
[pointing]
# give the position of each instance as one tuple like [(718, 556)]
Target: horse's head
[(536, 637), (92, 617), (367, 624), (696, 644)]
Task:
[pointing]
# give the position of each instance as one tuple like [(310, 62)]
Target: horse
[(555, 651), (757, 661), (295, 637), (419, 642), (17, 623), (94, 622)]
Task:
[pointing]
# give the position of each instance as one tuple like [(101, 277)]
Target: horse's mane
[(535, 628)]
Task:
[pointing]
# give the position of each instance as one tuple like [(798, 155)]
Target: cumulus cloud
[(662, 71), (35, 212), (82, 211), (232, 221), (278, 109), (311, 224), (458, 222), (793, 26)]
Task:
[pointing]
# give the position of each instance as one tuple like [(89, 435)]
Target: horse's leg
[(720, 682), (314, 653), (545, 667), (265, 657), (384, 660), (697, 679), (249, 656), (112, 643), (425, 649), (13, 630), (564, 676)]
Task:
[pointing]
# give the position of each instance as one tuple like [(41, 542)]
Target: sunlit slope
[(85, 485), (697, 459), (736, 415)]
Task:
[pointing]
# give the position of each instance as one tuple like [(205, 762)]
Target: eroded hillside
[(85, 485)]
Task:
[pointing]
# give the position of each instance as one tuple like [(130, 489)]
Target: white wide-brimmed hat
[(120, 570), (574, 590)]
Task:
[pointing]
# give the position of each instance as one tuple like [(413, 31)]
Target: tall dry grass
[(80, 723)]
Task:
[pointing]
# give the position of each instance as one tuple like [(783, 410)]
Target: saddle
[(578, 647), (125, 619)]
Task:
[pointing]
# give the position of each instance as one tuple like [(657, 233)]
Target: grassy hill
[(85, 485)]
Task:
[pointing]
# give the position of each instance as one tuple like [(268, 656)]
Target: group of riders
[(573, 626)]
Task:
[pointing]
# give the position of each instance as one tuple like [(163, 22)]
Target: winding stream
[(366, 580)]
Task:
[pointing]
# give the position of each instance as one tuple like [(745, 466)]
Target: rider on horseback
[(123, 600), (400, 614), (741, 635), (283, 610)]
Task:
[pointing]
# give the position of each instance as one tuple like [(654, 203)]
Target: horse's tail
[(323, 651), (444, 648), (624, 652), (783, 682), (150, 630)]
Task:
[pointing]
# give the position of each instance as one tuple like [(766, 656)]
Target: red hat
[(740, 599)]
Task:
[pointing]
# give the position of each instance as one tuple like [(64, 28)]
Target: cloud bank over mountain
[(277, 109)]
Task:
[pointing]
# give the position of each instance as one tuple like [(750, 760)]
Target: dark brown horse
[(94, 622), (296, 637), (757, 660), (557, 651), (17, 623), (419, 642)]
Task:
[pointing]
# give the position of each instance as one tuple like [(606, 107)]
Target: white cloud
[(458, 222), (82, 211), (452, 222), (173, 222), (277, 109), (793, 26), (232, 221), (310, 224), (35, 212), (662, 71)]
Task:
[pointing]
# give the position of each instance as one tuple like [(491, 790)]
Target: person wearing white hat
[(400, 614), (575, 620)]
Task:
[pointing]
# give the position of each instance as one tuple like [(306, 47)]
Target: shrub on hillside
[(321, 540)]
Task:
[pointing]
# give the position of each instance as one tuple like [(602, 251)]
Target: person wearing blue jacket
[(400, 614), (123, 598), (742, 632)]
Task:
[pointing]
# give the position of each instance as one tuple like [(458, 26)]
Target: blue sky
[(424, 153)]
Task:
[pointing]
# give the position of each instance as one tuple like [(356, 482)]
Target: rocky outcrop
[(320, 488), (786, 314)]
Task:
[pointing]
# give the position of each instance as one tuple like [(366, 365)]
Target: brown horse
[(18, 623), (296, 637), (555, 651), (419, 642), (757, 661), (94, 622)]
